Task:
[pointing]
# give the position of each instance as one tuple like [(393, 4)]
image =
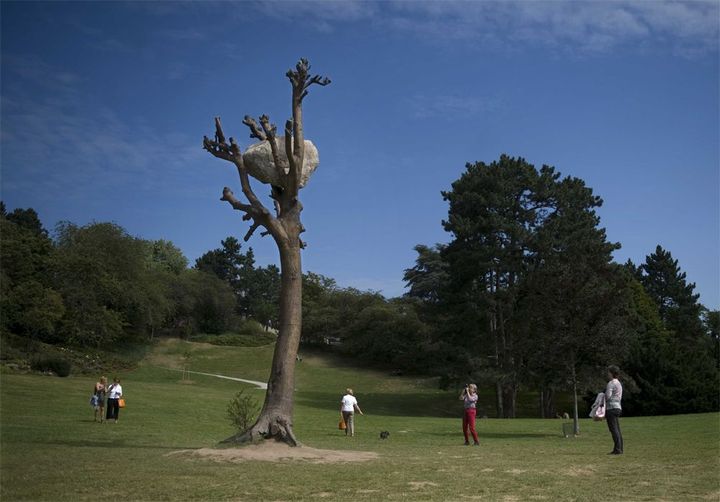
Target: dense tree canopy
[(256, 288), (524, 296)]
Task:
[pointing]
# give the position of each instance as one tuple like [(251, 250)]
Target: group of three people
[(102, 393), (469, 396)]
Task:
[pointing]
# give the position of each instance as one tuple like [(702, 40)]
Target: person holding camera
[(469, 397)]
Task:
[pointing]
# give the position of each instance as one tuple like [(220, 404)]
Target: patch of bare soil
[(273, 451)]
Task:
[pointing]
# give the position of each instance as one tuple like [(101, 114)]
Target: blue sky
[(104, 106)]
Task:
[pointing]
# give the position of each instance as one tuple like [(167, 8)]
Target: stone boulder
[(259, 162)]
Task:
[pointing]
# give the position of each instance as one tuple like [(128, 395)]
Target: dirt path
[(261, 385), (272, 451)]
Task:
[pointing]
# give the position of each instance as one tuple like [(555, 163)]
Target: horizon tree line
[(525, 296)]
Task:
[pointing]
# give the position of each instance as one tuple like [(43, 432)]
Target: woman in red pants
[(469, 397)]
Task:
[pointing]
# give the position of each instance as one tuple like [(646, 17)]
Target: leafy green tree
[(29, 220), (26, 248), (389, 334), (164, 256), (263, 295), (31, 309), (28, 304), (109, 284), (319, 315), (202, 303)]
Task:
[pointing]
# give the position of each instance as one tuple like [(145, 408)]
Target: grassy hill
[(52, 450)]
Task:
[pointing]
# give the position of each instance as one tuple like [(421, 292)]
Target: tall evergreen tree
[(667, 285), (256, 289), (530, 273), (429, 276), (694, 379), (493, 214)]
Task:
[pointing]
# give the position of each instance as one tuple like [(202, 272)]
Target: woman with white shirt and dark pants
[(348, 405), (613, 408), (113, 402)]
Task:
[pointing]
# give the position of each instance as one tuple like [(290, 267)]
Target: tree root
[(277, 428)]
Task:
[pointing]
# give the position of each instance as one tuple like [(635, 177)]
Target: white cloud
[(573, 26), (322, 15), (60, 143), (452, 106)]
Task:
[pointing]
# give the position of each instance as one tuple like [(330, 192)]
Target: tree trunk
[(509, 398), (547, 402), (576, 421), (276, 418), (498, 399)]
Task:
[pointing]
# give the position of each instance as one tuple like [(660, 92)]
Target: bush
[(242, 411), (59, 366), (235, 340)]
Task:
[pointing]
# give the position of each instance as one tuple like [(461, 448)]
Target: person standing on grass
[(348, 405), (113, 402), (613, 408), (99, 394), (469, 397)]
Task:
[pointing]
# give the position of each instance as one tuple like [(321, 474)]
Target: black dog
[(384, 435)]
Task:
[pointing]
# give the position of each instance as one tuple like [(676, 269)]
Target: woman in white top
[(613, 408), (113, 402), (348, 405)]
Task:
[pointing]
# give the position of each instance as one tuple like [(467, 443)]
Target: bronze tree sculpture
[(288, 161)]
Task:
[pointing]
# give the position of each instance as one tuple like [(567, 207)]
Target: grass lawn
[(50, 448)]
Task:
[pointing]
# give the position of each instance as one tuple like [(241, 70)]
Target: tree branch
[(249, 233), (317, 79), (255, 210), (219, 135), (255, 132), (229, 196), (270, 131), (301, 80), (216, 149), (288, 144)]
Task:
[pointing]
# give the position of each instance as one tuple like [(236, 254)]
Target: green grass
[(52, 450)]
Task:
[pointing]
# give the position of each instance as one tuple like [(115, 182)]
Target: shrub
[(59, 366), (242, 411)]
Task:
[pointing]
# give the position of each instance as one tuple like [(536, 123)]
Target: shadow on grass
[(496, 435), (399, 405), (88, 443)]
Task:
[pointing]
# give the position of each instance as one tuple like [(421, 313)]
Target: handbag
[(599, 413), (341, 424), (94, 401), (121, 403)]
